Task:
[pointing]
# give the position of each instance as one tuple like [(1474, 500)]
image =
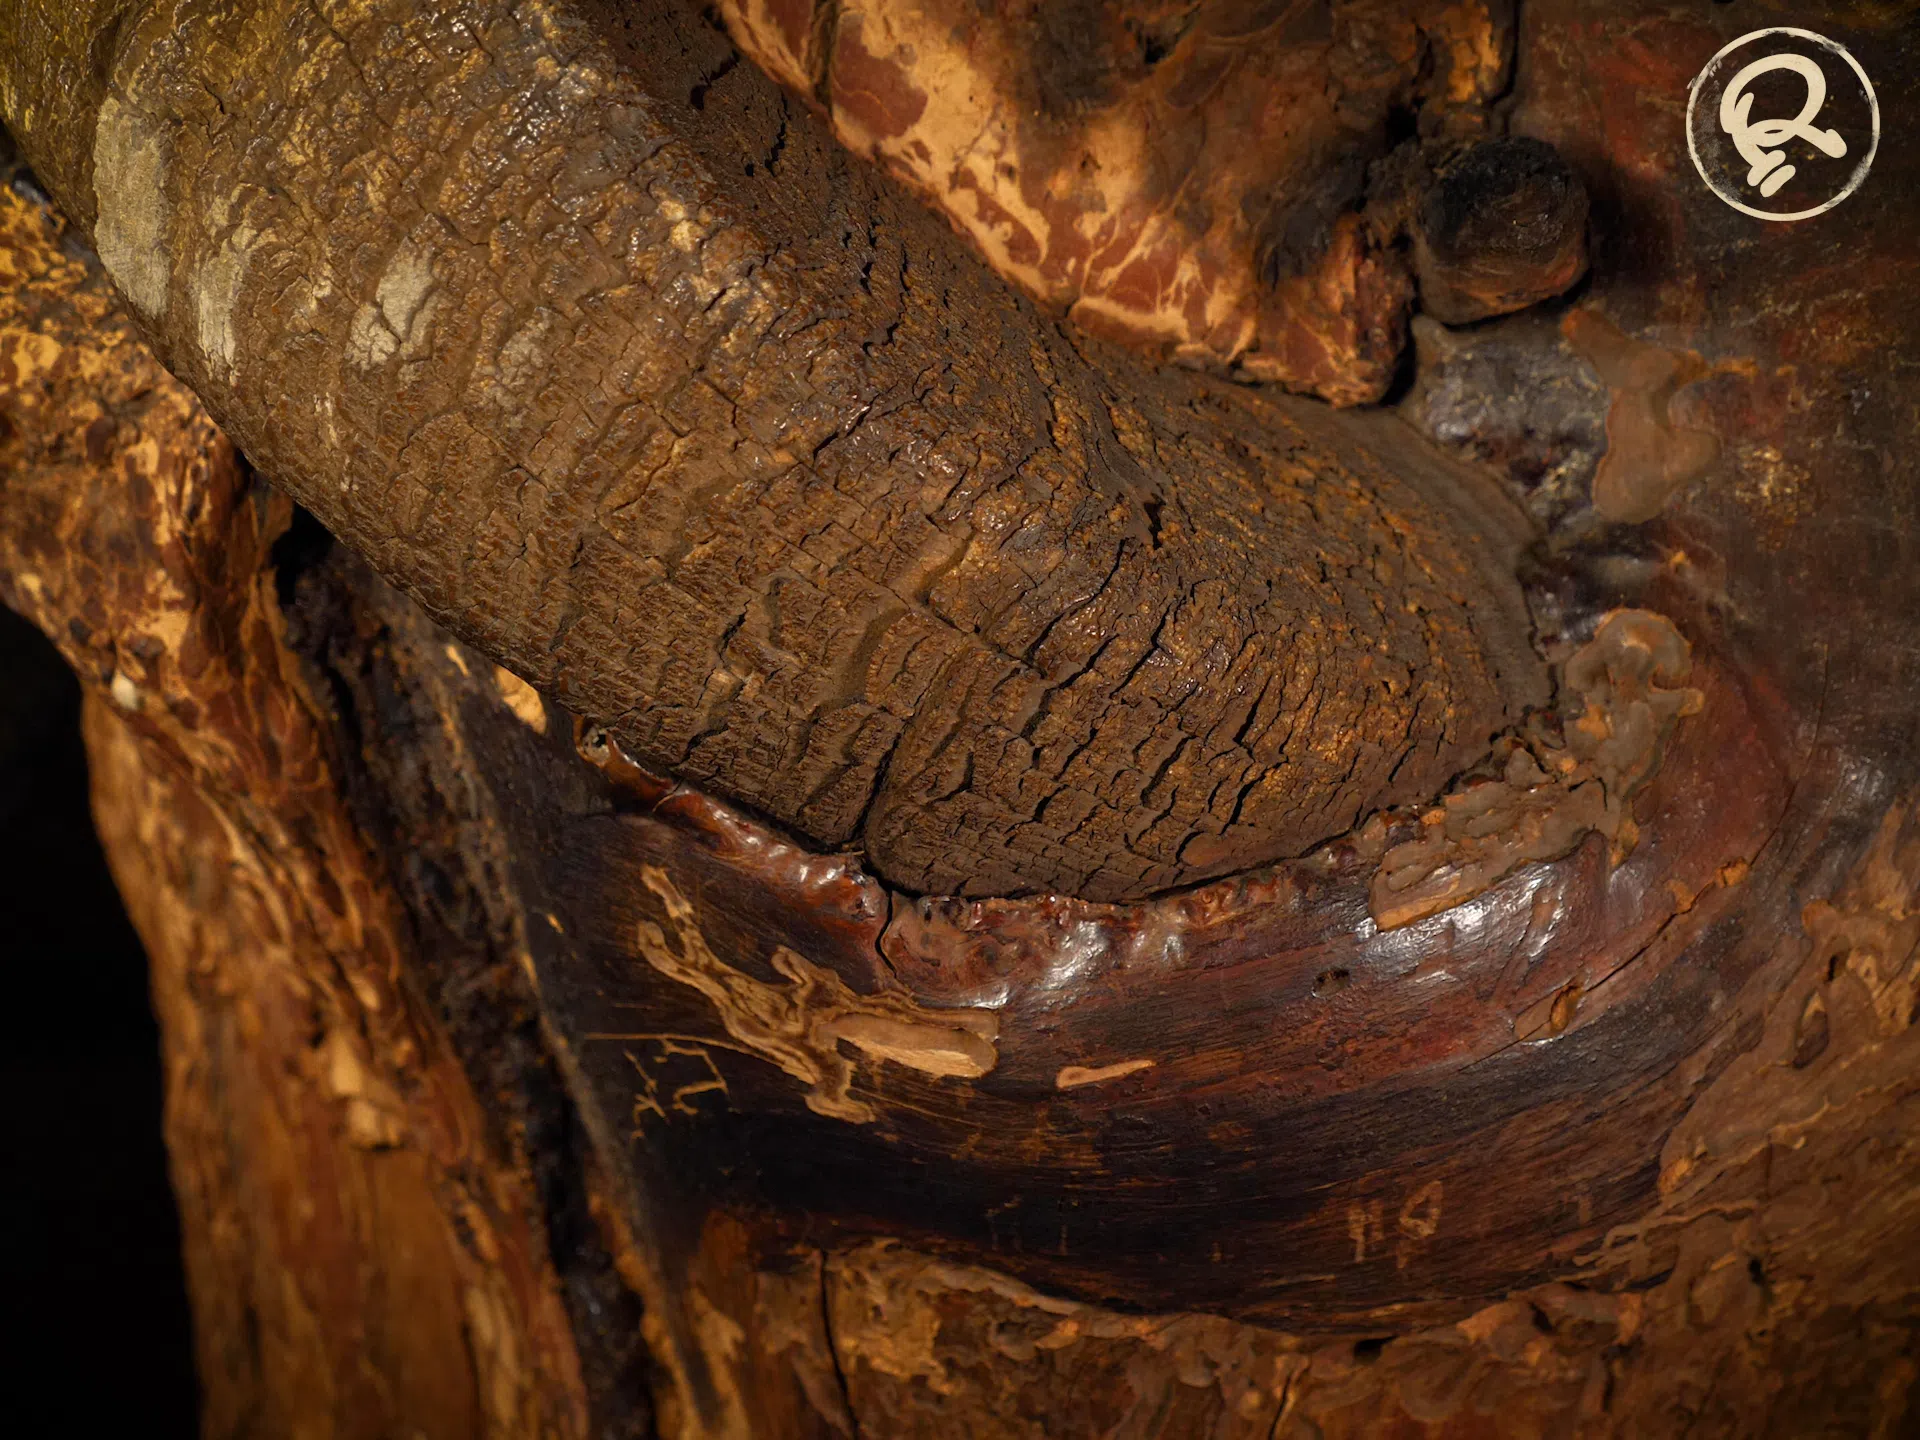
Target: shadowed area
[(93, 1254)]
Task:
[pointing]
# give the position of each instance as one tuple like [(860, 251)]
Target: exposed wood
[(763, 471), (1215, 180), (1602, 1132)]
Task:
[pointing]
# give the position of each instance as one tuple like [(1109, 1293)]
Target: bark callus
[(1111, 1099), (1502, 225), (1609, 1141)]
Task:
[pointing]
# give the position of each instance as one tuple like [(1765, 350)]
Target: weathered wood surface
[(1222, 182), (763, 470), (1617, 1144)]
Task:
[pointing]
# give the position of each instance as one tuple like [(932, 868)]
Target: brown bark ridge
[(1501, 226), (600, 350)]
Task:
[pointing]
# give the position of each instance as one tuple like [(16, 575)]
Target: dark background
[(92, 1273)]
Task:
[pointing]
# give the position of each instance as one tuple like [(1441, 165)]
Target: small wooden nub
[(1503, 225)]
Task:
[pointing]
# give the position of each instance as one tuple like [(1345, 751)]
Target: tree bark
[(927, 578), (518, 1086)]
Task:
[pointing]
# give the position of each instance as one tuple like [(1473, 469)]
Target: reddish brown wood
[(1614, 1143)]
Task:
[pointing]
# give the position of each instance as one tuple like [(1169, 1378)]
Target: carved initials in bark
[(799, 1026)]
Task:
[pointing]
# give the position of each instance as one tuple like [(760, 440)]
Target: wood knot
[(1502, 225)]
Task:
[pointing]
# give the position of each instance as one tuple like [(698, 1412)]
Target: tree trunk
[(939, 878)]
